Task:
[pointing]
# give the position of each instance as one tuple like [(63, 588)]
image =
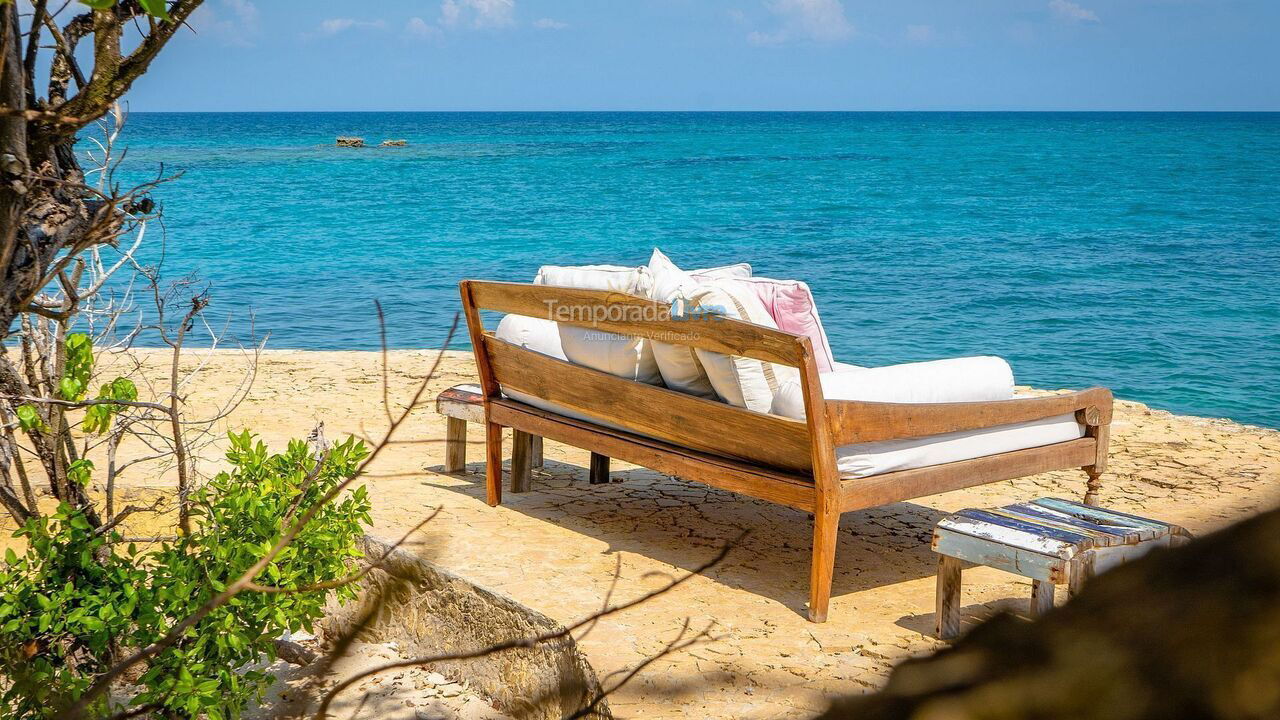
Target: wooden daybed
[(786, 461)]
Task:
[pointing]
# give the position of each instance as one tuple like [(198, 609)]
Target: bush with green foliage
[(78, 597)]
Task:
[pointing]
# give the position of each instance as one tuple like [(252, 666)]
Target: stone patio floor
[(556, 549)]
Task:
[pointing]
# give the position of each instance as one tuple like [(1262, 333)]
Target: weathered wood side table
[(1049, 540)]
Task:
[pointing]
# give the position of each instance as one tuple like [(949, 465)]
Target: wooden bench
[(779, 459), (462, 404), (1051, 541)]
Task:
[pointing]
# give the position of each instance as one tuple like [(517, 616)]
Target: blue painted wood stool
[(1049, 540)]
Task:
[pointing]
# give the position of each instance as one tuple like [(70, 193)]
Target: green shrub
[(77, 600)]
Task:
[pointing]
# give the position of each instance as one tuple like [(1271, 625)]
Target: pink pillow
[(791, 305)]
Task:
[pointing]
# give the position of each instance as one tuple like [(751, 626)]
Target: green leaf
[(29, 418), (80, 472), (97, 418), (156, 8), (77, 368), (10, 556), (99, 4)]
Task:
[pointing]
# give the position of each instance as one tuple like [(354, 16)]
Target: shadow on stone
[(427, 610), (677, 522)]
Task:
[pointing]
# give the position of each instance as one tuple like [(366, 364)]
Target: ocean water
[(1137, 251)]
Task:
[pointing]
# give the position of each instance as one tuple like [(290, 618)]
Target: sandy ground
[(556, 548)]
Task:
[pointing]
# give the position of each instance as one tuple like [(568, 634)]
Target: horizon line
[(741, 111)]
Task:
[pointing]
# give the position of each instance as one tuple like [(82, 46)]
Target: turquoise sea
[(1138, 251)]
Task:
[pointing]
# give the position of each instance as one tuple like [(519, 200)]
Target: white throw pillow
[(632, 280), (736, 270), (970, 379), (622, 355), (677, 363), (740, 381)]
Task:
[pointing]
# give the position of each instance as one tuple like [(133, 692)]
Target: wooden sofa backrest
[(668, 415)]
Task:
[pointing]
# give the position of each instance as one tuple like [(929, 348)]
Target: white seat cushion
[(866, 459)]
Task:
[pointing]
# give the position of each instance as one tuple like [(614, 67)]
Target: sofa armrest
[(854, 421)]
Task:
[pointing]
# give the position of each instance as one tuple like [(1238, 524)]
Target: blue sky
[(722, 55)]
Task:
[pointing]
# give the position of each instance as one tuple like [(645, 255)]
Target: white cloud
[(921, 34), (334, 26), (820, 20), (1071, 12), (234, 22), (419, 28), (549, 24), (450, 13), (477, 13), (245, 11)]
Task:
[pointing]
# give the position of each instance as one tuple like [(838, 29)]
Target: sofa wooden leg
[(1093, 486), (455, 444), (826, 530), (493, 464), (599, 469), (521, 461), (537, 451), (1102, 436)]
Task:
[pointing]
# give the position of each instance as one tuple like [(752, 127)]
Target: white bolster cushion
[(596, 277), (971, 379), (544, 337), (533, 333), (736, 270)]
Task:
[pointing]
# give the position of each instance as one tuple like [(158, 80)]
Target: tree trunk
[(14, 167)]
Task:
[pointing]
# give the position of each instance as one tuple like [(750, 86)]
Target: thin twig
[(352, 578)]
